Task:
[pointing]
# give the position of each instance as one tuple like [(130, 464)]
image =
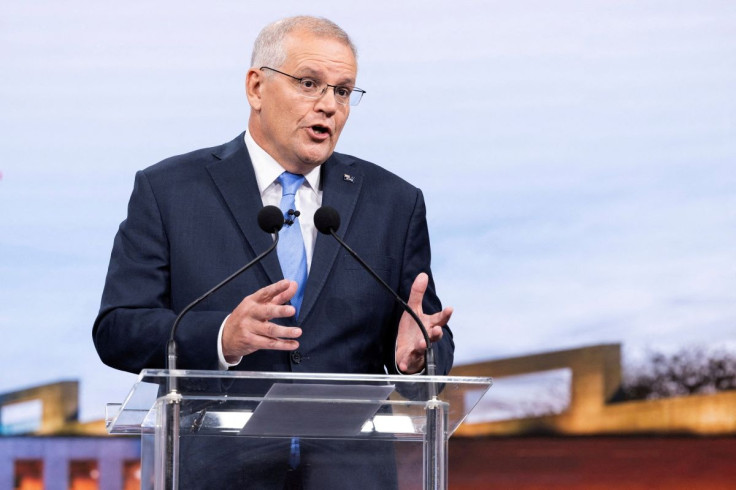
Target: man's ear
[(253, 87)]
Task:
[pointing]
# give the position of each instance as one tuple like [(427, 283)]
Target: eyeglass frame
[(324, 90)]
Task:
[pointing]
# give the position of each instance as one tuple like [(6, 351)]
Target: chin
[(314, 159)]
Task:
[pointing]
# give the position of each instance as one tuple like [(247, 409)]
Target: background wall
[(578, 160)]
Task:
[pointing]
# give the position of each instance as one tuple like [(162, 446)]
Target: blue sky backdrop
[(578, 159)]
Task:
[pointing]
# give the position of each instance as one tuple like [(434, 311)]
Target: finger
[(435, 333), (418, 288), (440, 318), (269, 343), (268, 293), (411, 364), (404, 367), (271, 330), (284, 296), (270, 336), (277, 337), (269, 311)]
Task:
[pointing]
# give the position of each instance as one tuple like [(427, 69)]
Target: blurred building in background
[(45, 447), (562, 420)]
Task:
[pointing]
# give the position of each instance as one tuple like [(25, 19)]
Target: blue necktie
[(293, 259), (292, 256)]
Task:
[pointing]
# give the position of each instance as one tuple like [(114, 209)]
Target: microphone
[(327, 221), (270, 220), (290, 221)]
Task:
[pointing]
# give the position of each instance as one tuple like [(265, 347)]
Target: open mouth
[(320, 129)]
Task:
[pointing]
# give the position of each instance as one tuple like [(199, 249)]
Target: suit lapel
[(341, 185), (233, 175)]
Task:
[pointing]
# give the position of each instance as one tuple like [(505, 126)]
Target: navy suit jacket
[(192, 222)]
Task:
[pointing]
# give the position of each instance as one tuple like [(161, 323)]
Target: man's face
[(301, 133)]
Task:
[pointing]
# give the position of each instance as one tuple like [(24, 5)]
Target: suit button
[(296, 357)]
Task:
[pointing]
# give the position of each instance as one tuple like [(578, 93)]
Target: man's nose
[(327, 101)]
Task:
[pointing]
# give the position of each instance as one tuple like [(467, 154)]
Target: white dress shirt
[(308, 200), (308, 196)]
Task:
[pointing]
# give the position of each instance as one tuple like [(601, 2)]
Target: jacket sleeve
[(416, 259), (135, 318)]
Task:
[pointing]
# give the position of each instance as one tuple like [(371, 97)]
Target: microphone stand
[(429, 353), (171, 354), (173, 397), (435, 450)]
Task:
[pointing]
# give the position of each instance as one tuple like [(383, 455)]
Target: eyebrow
[(311, 73)]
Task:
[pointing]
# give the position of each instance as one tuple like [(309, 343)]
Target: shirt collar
[(267, 169)]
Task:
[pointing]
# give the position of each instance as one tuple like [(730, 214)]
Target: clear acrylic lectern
[(221, 414)]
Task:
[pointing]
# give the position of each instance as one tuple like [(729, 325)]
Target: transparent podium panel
[(222, 429)]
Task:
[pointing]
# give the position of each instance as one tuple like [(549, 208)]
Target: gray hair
[(268, 50)]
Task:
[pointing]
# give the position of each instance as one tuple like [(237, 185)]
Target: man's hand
[(249, 327), (410, 344)]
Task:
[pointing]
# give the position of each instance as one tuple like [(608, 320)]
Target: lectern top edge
[(235, 375)]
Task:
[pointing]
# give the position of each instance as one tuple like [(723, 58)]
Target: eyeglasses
[(314, 89)]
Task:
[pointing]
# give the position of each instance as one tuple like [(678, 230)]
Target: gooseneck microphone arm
[(327, 221), (270, 219)]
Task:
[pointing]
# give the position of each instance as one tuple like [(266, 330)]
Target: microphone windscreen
[(326, 219), (270, 219)]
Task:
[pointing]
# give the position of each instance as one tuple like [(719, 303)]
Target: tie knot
[(290, 183)]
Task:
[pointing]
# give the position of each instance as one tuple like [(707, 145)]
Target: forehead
[(319, 55)]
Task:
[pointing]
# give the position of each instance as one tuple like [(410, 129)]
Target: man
[(191, 222)]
